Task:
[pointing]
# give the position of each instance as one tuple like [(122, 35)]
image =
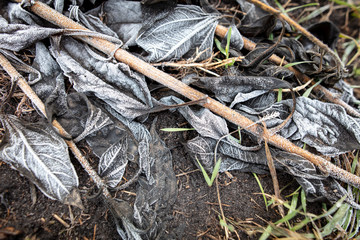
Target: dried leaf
[(51, 86), (123, 17), (226, 88), (142, 135), (205, 122), (326, 126), (40, 155), (15, 37), (326, 31), (257, 22), (154, 200), (179, 34), (115, 84), (236, 40), (95, 24), (113, 163), (108, 139)]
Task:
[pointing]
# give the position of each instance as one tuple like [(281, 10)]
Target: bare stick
[(21, 82), (65, 224), (250, 45), (231, 115)]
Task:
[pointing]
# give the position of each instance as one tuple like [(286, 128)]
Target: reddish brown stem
[(141, 66)]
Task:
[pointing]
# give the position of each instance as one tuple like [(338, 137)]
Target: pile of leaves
[(104, 103)]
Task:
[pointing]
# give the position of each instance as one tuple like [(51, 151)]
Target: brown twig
[(57, 217), (273, 174), (250, 45), (231, 115), (21, 82)]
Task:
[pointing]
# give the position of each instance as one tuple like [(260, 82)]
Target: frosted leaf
[(180, 33), (38, 153)]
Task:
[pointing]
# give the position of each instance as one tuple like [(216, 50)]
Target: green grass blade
[(224, 224), (177, 129), (296, 63), (303, 200), (337, 219), (279, 98), (307, 92), (315, 13), (332, 210), (215, 171), (347, 219), (357, 72), (262, 190), (206, 176), (293, 205), (357, 225), (288, 217), (301, 224), (302, 6), (355, 162), (348, 48), (266, 233), (340, 2), (218, 45), (228, 43)]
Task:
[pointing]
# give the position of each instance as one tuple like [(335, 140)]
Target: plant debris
[(92, 100)]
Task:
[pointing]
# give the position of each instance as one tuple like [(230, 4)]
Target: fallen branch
[(231, 115), (329, 96)]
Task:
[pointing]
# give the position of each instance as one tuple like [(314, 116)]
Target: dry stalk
[(250, 45), (273, 174), (21, 82), (231, 115), (206, 65)]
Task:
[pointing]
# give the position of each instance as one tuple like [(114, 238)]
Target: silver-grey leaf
[(182, 32), (114, 83), (96, 120), (204, 121), (38, 153), (326, 126), (15, 37), (142, 135), (123, 17), (113, 162), (154, 200)]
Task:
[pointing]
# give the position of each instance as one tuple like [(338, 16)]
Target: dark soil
[(25, 215), (195, 213)]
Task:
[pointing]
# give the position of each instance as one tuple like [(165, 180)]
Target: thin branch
[(273, 174), (21, 82), (231, 115)]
